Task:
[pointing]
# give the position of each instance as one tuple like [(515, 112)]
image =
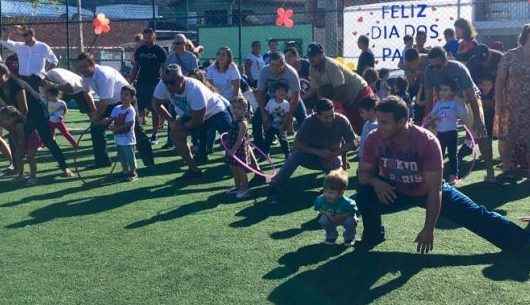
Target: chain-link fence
[(66, 25)]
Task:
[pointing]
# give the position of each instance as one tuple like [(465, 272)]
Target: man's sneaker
[(274, 199), (243, 194), (256, 181), (189, 174), (31, 181), (232, 191), (132, 178), (329, 241), (201, 160), (367, 244)]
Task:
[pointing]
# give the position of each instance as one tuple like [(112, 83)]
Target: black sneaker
[(256, 181), (189, 174), (200, 160), (274, 199), (367, 244)]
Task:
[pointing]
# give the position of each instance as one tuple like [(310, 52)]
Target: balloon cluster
[(101, 24), (284, 17)]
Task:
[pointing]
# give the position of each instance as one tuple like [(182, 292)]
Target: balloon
[(283, 17), (101, 24)]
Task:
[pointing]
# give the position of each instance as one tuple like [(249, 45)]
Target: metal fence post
[(67, 35), (154, 14), (1, 28), (239, 34), (458, 8)]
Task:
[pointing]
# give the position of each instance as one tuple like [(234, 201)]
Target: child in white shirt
[(278, 110), (57, 109), (122, 121), (445, 114)]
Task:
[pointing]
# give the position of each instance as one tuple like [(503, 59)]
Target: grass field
[(162, 240)]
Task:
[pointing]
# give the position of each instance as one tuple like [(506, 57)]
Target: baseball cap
[(314, 49), (181, 38)]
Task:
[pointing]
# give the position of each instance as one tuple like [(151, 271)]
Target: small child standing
[(487, 95), (123, 119), (367, 112), (238, 146), (445, 114), (57, 110), (278, 109), (335, 209)]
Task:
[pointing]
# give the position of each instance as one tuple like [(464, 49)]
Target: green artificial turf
[(163, 240)]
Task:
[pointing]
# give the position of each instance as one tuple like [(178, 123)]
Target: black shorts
[(144, 94)]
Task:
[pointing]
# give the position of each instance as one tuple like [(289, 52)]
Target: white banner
[(387, 23)]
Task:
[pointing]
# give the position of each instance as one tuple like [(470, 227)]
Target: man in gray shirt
[(185, 59), (277, 72), (440, 69), (320, 142)]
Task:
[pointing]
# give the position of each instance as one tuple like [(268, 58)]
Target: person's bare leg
[(179, 137), (4, 148), (156, 124)]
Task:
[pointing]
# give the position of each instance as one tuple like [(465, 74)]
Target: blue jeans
[(298, 158), (456, 207), (127, 157), (349, 224), (220, 122), (257, 124)]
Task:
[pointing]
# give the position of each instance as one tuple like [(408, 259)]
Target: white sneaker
[(242, 194)]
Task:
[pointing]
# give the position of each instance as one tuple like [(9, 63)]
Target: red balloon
[(284, 17), (101, 24)]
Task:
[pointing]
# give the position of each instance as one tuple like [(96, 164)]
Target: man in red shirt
[(402, 164)]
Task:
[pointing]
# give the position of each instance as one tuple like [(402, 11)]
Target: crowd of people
[(275, 94)]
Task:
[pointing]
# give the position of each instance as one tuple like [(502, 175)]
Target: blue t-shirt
[(343, 206), (187, 61), (451, 47)]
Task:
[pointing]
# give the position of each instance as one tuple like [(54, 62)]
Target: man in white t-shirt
[(194, 108), (254, 63), (32, 55), (106, 83), (71, 84)]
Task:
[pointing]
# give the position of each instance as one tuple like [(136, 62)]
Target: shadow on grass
[(212, 174), (311, 225), (352, 279), (291, 202), (188, 209), (94, 205)]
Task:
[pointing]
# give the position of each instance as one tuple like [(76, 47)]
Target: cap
[(314, 49), (181, 38)]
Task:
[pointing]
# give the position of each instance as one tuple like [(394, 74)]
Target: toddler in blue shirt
[(335, 209)]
